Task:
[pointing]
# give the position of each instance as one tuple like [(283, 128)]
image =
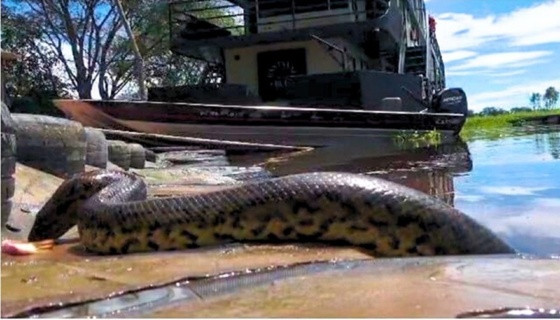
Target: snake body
[(387, 219)]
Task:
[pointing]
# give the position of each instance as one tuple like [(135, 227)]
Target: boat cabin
[(358, 54)]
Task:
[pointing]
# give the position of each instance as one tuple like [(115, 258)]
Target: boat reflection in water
[(429, 169)]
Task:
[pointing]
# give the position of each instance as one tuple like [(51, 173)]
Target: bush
[(36, 103), (521, 109), (492, 111)]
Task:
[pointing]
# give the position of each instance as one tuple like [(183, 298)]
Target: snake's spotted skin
[(387, 219)]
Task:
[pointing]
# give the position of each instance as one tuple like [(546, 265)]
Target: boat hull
[(259, 124), (338, 137)]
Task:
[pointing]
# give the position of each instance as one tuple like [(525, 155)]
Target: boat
[(311, 73)]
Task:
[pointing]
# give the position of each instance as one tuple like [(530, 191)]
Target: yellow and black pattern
[(385, 218)]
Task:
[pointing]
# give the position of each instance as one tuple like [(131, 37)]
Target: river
[(514, 189)]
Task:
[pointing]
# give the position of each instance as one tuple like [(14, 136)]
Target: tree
[(92, 44), (520, 109), (85, 37), (32, 79), (550, 97), (85, 28), (150, 21), (138, 60), (34, 67), (492, 111), (535, 100)]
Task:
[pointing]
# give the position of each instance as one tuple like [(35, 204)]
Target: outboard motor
[(452, 100)]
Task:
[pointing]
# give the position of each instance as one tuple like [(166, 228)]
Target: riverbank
[(306, 280), (236, 280), (487, 124)]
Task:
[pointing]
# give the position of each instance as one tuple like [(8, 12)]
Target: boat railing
[(439, 60), (207, 19), (416, 13)]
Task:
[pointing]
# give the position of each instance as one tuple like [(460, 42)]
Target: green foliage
[(492, 111), (46, 31), (31, 80), (78, 33), (162, 67), (535, 100), (149, 20), (550, 97), (520, 109), (415, 139), (40, 102), (499, 117), (489, 126)]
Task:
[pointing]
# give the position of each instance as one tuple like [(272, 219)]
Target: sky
[(499, 51)]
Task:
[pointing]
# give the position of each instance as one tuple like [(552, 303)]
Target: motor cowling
[(453, 100)]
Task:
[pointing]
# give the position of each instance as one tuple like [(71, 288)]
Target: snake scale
[(384, 218)]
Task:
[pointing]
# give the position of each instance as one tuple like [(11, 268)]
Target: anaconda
[(387, 219)]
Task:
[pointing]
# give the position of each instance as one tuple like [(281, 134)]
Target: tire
[(8, 125), (119, 153), (8, 155), (137, 156), (8, 166), (7, 184), (6, 210), (53, 145), (7, 187), (8, 145), (8, 135), (150, 155), (97, 153)]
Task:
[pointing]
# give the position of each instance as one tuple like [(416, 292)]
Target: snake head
[(60, 213)]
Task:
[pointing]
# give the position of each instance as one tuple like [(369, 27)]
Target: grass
[(415, 139), (490, 125)]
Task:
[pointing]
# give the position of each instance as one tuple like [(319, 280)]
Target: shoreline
[(476, 124)]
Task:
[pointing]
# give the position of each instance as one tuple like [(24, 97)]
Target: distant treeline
[(537, 102)]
